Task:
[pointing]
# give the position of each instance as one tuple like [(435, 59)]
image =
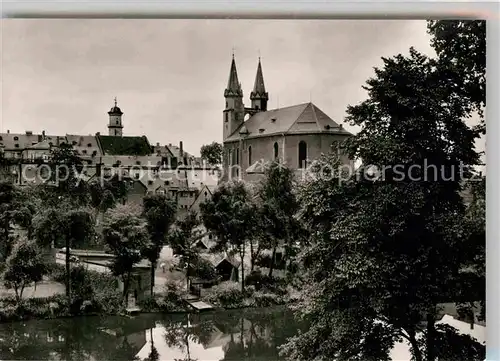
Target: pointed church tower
[(234, 111), (259, 96), (115, 125)]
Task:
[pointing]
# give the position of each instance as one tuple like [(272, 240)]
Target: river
[(229, 335)]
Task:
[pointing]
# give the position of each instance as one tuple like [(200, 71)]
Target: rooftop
[(111, 145), (296, 119)]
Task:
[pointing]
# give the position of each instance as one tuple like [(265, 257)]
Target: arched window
[(276, 150), (250, 155), (302, 154)]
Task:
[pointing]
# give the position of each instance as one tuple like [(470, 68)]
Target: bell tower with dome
[(115, 125)]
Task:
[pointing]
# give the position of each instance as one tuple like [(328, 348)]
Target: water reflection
[(237, 335)]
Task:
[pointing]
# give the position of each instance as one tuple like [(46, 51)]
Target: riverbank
[(57, 306)]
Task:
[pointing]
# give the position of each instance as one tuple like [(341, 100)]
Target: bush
[(149, 304), (264, 282), (92, 292), (227, 294), (249, 290), (263, 299), (45, 307), (204, 270), (173, 299), (265, 260)]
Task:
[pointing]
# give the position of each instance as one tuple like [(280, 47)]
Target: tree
[(277, 206), (473, 272), (212, 153), (65, 192), (230, 216), (182, 240), (106, 193), (159, 212), (24, 266), (386, 249), (17, 207), (461, 49), (125, 235), (64, 226), (64, 180)]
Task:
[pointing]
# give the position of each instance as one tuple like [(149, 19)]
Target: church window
[(250, 155), (302, 154), (226, 105), (276, 150), (117, 122), (227, 116), (116, 132)]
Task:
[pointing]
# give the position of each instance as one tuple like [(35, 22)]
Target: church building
[(294, 135)]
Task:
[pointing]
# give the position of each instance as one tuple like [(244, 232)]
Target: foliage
[(212, 153), (277, 207), (171, 302), (125, 235), (106, 193), (266, 299), (230, 216), (461, 49), (65, 181), (270, 284), (159, 212), (25, 265), (44, 307), (64, 226), (473, 272), (182, 239), (385, 250), (17, 207), (87, 282), (203, 269), (226, 294)]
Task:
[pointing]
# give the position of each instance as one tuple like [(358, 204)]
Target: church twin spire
[(258, 96)]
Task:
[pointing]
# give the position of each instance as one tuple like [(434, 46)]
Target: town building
[(294, 135), (164, 169)]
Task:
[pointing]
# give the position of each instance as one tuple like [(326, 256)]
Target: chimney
[(8, 131), (43, 134), (181, 151), (157, 144)]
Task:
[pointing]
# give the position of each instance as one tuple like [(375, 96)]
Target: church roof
[(111, 145), (297, 119)]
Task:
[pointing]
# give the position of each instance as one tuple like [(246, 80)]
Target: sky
[(169, 76)]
